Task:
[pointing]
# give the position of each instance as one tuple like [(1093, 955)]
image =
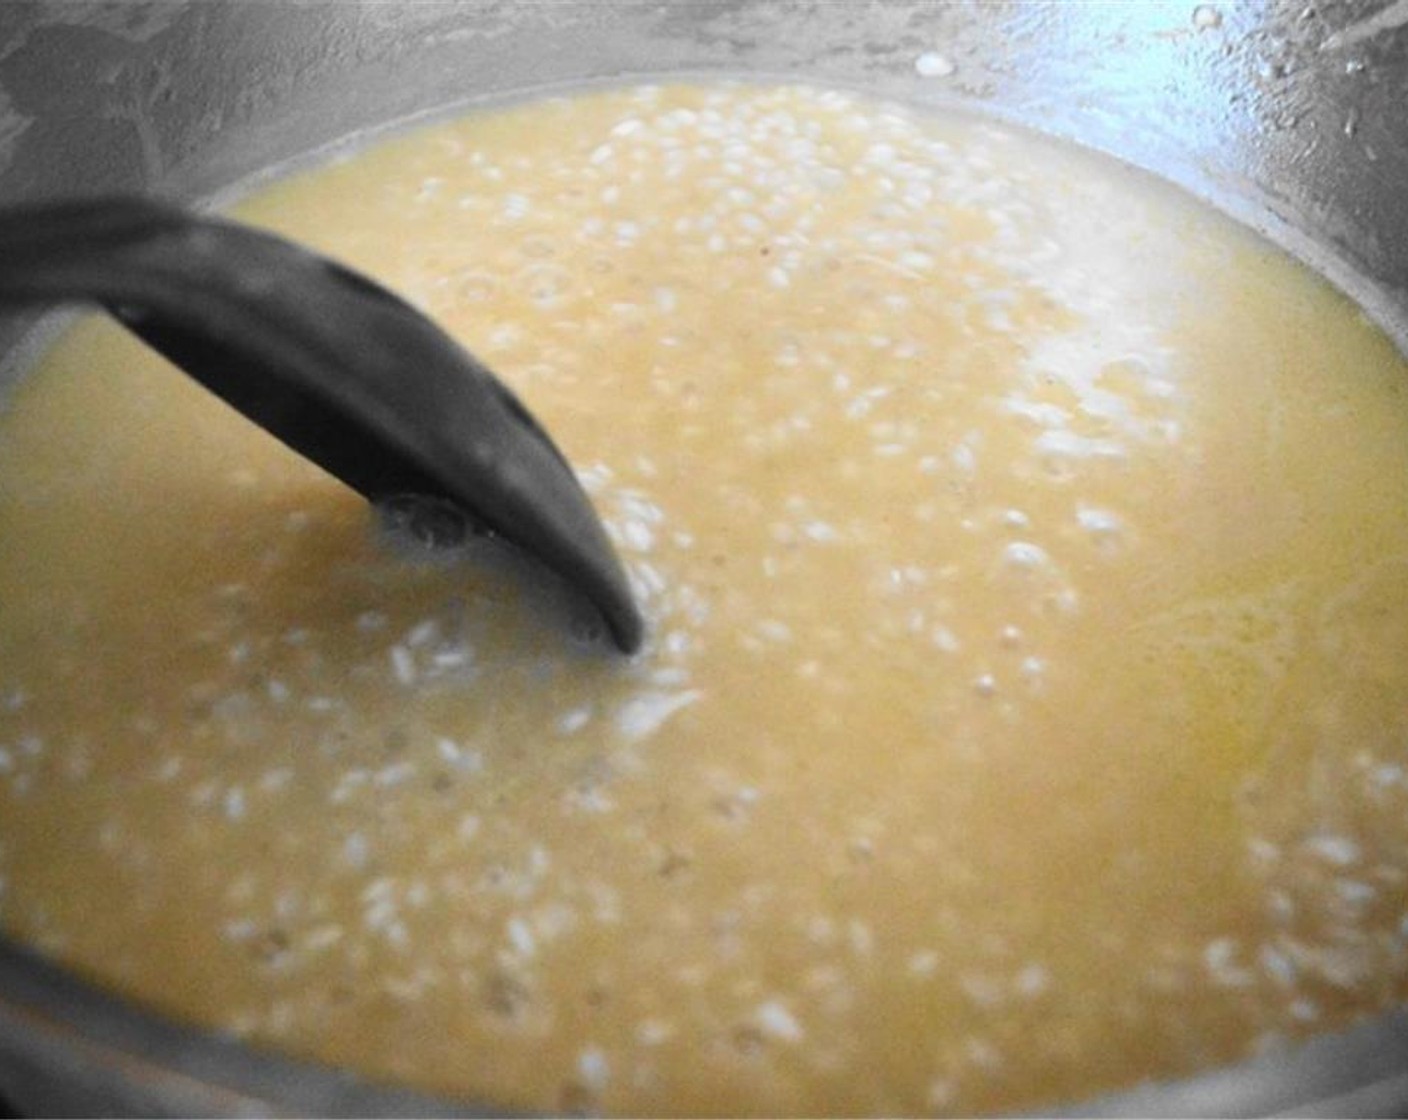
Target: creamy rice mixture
[(1025, 710)]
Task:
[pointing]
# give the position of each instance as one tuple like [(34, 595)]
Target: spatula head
[(340, 369)]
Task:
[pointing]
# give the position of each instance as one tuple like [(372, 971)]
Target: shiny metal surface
[(1293, 117)]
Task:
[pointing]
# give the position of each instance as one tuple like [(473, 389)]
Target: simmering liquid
[(1025, 711)]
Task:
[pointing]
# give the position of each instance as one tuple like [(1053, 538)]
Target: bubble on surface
[(417, 526)]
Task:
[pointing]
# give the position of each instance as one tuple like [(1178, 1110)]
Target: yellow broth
[(1025, 712)]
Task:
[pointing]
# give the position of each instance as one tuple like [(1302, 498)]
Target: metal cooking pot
[(1291, 116)]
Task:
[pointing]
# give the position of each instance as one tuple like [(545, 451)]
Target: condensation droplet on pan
[(932, 64), (1206, 18)]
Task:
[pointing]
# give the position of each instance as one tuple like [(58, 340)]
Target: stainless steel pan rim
[(81, 1051)]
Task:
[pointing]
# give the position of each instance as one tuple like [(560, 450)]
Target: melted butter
[(1024, 550)]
